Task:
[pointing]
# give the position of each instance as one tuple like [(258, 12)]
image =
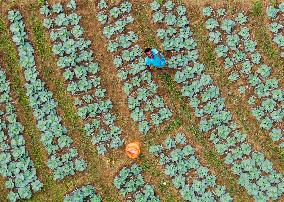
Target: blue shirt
[(156, 61)]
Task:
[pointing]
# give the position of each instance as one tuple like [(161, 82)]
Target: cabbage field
[(75, 90)]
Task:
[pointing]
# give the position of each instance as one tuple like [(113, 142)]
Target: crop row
[(192, 179), (75, 58), (132, 186), (234, 46), (83, 193), (63, 159), (275, 15), (256, 174), (15, 164), (147, 107)]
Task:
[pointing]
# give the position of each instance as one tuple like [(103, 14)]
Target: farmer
[(154, 58)]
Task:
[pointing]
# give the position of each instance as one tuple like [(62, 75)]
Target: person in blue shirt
[(154, 58)]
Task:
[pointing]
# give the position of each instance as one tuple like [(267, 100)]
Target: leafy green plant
[(41, 101), (272, 12), (155, 5), (211, 24), (179, 161), (158, 16), (264, 71), (241, 18), (169, 5), (14, 157), (131, 184), (207, 11), (215, 37), (72, 5), (275, 27), (217, 121), (76, 58), (146, 107), (221, 12), (228, 25), (83, 193)]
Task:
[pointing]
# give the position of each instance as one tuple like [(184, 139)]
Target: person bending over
[(154, 58)]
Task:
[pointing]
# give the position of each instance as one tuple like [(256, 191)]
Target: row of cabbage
[(75, 58), (193, 180), (235, 47), (63, 159), (15, 164), (180, 41), (147, 108), (83, 193), (255, 173), (275, 14), (132, 186)]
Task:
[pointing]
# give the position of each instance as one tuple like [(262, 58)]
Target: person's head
[(148, 52)]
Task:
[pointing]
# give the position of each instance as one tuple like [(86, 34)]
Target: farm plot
[(81, 74), (63, 158), (16, 165), (233, 44), (250, 166), (275, 15), (148, 108), (188, 175), (174, 165), (132, 186)]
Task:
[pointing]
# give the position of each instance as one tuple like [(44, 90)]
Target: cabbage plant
[(16, 165), (83, 193), (275, 13), (130, 183), (179, 161), (240, 49), (217, 122), (54, 135), (74, 55), (147, 108)]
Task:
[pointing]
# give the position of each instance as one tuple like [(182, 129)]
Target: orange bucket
[(133, 150)]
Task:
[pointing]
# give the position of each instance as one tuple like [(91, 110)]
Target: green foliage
[(250, 45), (221, 12), (215, 37), (131, 184), (233, 41), (242, 89), (227, 25), (169, 5), (211, 24), (140, 89), (221, 50), (80, 71), (264, 71), (275, 27), (16, 165), (272, 12), (241, 18), (255, 58), (102, 4), (217, 121), (158, 16), (43, 105), (72, 5), (83, 193), (155, 5), (179, 161), (244, 32), (207, 11)]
